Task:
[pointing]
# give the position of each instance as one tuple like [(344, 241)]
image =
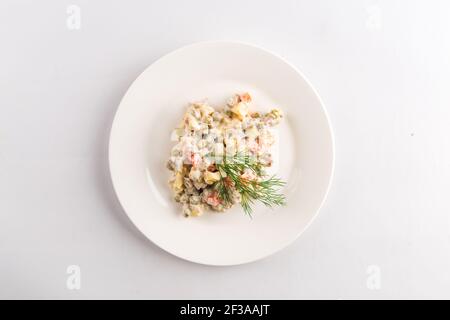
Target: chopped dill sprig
[(262, 188)]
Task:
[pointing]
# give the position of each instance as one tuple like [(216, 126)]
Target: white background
[(382, 69)]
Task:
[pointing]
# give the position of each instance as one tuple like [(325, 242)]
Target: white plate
[(140, 145)]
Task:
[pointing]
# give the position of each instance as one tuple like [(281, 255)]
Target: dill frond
[(261, 188)]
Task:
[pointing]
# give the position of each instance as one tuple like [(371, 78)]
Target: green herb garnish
[(262, 188)]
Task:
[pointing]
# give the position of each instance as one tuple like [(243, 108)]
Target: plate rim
[(311, 87)]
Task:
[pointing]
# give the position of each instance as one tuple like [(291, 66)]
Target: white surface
[(382, 69), (140, 146)]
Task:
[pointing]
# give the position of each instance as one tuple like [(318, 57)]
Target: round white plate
[(140, 145)]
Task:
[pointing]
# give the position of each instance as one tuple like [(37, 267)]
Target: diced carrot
[(195, 158), (228, 182), (213, 199), (245, 97)]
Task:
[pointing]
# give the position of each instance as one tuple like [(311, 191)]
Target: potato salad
[(220, 155)]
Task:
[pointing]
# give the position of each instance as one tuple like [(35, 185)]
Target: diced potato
[(178, 182), (195, 174), (217, 116), (176, 134), (211, 177), (233, 100), (199, 184), (225, 122), (196, 211), (248, 175), (252, 132), (231, 146), (218, 149), (240, 110), (195, 111), (236, 123), (206, 110), (192, 122), (195, 200), (202, 143)]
